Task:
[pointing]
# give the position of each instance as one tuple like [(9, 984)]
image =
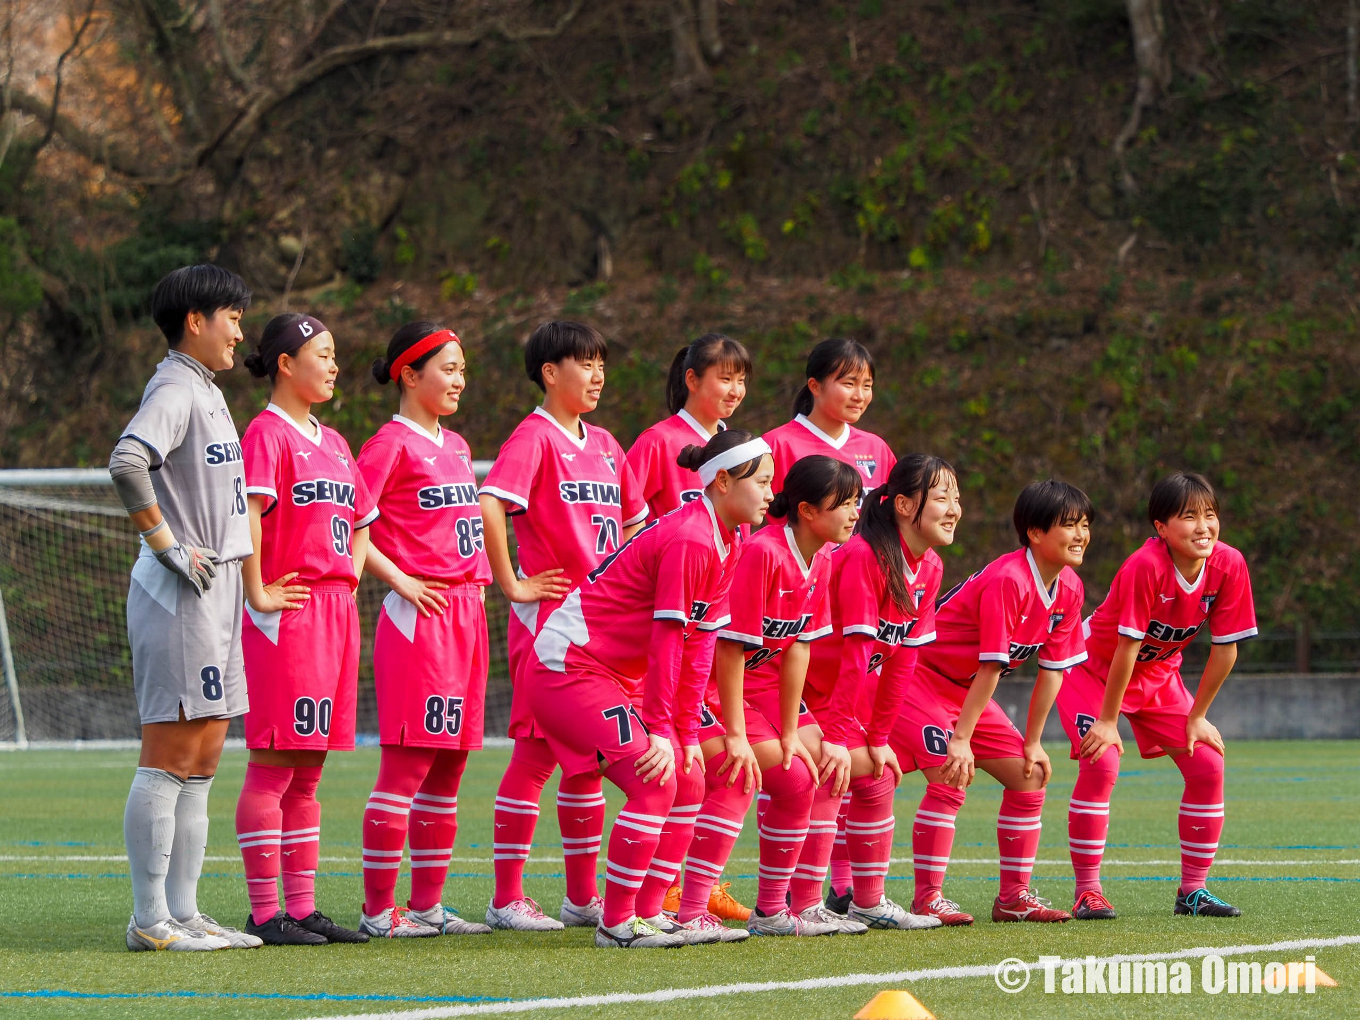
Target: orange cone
[(1298, 973), (894, 1006)]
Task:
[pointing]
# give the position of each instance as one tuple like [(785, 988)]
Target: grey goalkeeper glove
[(194, 565)]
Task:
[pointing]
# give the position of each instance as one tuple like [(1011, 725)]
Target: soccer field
[(1290, 860)]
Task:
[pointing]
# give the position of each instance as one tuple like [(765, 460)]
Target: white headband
[(729, 459)]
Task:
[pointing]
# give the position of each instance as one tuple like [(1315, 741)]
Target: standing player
[(621, 668), (883, 587), (574, 500), (430, 650), (1025, 602), (706, 384), (1165, 593), (177, 470), (309, 518)]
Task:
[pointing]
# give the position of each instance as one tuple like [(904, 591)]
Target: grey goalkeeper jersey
[(196, 466)]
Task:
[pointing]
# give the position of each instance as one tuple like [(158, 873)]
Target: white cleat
[(171, 935), (394, 924), (713, 923), (636, 934), (582, 915), (889, 915), (447, 921), (786, 922), (843, 923), (693, 936), (521, 915), (236, 938)]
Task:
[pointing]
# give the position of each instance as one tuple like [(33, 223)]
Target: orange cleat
[(671, 904), (721, 903)]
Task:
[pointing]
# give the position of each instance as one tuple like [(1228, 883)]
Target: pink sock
[(869, 835), (932, 840), (401, 770), (1088, 818), (674, 842), (259, 827), (1018, 827), (580, 816), (762, 804), (1201, 814), (301, 843), (842, 877), (715, 833), (633, 840), (783, 831), (809, 874), (434, 826), (516, 814)]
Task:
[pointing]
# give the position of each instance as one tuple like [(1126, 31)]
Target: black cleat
[(319, 924), (1202, 903), (1093, 906), (839, 904), (282, 930)]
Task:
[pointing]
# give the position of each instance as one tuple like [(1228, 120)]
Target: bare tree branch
[(21, 177), (229, 61), (1154, 74), (95, 148)]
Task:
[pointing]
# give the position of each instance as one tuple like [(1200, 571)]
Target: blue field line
[(61, 993)]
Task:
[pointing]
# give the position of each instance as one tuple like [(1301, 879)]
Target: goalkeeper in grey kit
[(178, 471)]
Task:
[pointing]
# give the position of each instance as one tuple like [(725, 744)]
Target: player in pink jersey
[(574, 500), (778, 604), (309, 516), (839, 389), (1176, 584), (1026, 602), (621, 669), (430, 648), (706, 385), (883, 587)]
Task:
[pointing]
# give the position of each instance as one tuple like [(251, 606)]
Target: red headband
[(420, 348)]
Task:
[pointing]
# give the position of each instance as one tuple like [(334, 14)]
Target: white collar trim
[(437, 437), (1188, 587), (1046, 595), (699, 430), (717, 528), (797, 553), (315, 440), (835, 444), (578, 441)]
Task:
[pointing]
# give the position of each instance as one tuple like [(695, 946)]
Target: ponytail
[(403, 340), (832, 359), (913, 476), (823, 481), (704, 353)]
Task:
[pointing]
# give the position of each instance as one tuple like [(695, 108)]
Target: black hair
[(823, 481), (1045, 504), (913, 476), (206, 289), (553, 342), (403, 339), (693, 457), (1174, 494), (832, 359), (709, 350), (264, 360)]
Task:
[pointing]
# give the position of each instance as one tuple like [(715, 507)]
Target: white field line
[(813, 984)]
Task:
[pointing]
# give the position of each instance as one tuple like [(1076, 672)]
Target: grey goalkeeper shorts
[(186, 650)]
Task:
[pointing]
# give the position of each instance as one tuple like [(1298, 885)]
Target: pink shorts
[(525, 623), (302, 673), (929, 713), (589, 721), (819, 704), (430, 672), (710, 719), (762, 716), (1157, 714)]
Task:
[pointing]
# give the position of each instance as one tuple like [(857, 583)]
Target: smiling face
[(830, 523), (212, 339), (745, 500), (1064, 543), (1192, 533), (311, 369), (940, 515), (717, 394), (846, 397), (439, 384), (575, 385)]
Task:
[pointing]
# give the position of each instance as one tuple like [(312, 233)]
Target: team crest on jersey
[(1055, 618), (1206, 601), (916, 595), (867, 466), (609, 461), (464, 458)]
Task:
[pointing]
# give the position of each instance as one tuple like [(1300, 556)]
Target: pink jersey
[(1149, 600), (799, 438), (1004, 614), (776, 598), (869, 632), (430, 523), (315, 498), (665, 485), (572, 495), (678, 568)]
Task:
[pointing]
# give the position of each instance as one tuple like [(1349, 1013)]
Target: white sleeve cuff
[(636, 518), (1228, 639), (520, 501), (814, 635), (994, 656), (924, 639), (368, 519), (748, 640), (859, 628), (1062, 664), (1129, 632)]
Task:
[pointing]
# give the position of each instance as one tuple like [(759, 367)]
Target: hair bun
[(779, 506), (691, 457), (381, 371), (254, 362)]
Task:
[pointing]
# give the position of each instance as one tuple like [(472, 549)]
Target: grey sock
[(149, 832), (191, 842)]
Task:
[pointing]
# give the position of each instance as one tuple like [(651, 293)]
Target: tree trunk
[(1154, 73), (1352, 74), (690, 69), (710, 34)]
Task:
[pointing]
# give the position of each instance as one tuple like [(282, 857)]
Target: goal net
[(66, 554)]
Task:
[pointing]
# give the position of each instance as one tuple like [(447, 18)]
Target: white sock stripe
[(781, 835), (430, 798), (845, 799), (868, 870), (433, 863), (665, 876), (1080, 850), (809, 873), (1206, 855), (918, 858), (1017, 862), (775, 874), (1208, 807), (445, 851), (381, 865), (501, 809), (1019, 819), (511, 846), (512, 802), (718, 825), (1087, 811), (393, 797), (305, 873), (628, 823), (762, 795), (1089, 803), (257, 842), (381, 853), (703, 867), (609, 876), (657, 862), (591, 802), (571, 840), (938, 825), (646, 819), (923, 813), (430, 809), (1198, 846), (374, 805), (273, 880), (259, 832), (300, 839), (869, 828), (578, 851), (315, 830), (509, 857), (822, 827), (631, 872)]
